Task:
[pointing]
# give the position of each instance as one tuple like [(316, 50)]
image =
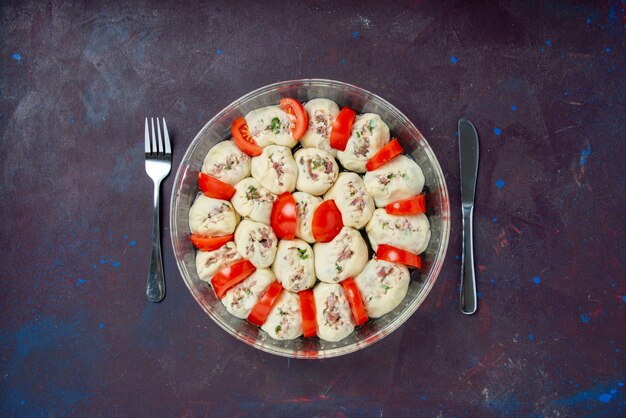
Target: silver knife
[(468, 150)]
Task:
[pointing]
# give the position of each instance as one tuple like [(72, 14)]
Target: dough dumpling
[(317, 170), (284, 321), (322, 114), (240, 299), (340, 258), (354, 203), (332, 312), (399, 178), (382, 286), (369, 135), (270, 126), (210, 262), (227, 163), (253, 200), (275, 169), (410, 232), (212, 217), (305, 206), (256, 242), (294, 266)]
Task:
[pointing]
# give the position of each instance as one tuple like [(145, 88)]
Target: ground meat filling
[(332, 315), (231, 161), (320, 123), (214, 215), (222, 253), (263, 238), (240, 293)]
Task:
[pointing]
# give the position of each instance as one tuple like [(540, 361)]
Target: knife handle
[(468, 276)]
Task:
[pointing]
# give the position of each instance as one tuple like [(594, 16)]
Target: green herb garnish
[(338, 267), (275, 125), (389, 176), (358, 134), (303, 254), (386, 288), (277, 329), (252, 193), (371, 125)]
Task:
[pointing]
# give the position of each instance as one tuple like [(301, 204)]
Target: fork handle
[(468, 275), (155, 289)]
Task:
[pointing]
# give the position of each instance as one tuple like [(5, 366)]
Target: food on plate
[(270, 126), (210, 262), (253, 200), (410, 233), (398, 179), (382, 285), (241, 298), (227, 163), (280, 232), (322, 114), (369, 135), (317, 170), (354, 203), (256, 242), (340, 258), (212, 217), (333, 315), (327, 221), (294, 265), (284, 321), (305, 207), (275, 169)]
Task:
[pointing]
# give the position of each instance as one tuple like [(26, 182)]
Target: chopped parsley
[(338, 267), (303, 254), (252, 193), (281, 312), (385, 287), (389, 176), (317, 163), (275, 126), (248, 291), (371, 125), (277, 329), (358, 134)]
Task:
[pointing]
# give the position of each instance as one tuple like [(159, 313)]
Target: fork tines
[(155, 144)]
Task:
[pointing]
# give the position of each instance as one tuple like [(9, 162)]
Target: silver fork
[(158, 166)]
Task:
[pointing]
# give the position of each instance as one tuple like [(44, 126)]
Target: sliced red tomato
[(213, 187), (385, 154), (410, 206), (243, 139), (355, 300), (231, 276), (298, 117), (397, 255), (259, 313), (209, 243), (342, 128), (307, 307), (284, 216), (327, 221)]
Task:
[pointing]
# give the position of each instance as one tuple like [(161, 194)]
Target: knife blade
[(468, 156)]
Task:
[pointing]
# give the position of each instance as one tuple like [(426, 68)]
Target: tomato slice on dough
[(397, 255), (342, 128), (298, 117), (284, 216), (385, 154), (307, 307), (356, 303), (411, 206), (213, 187), (327, 221), (209, 243), (261, 310), (231, 276), (243, 139)]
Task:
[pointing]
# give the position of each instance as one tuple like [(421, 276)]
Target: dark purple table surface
[(543, 81)]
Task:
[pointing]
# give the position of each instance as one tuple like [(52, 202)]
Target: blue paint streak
[(531, 337), (478, 295), (132, 243), (621, 384), (588, 21), (624, 298), (454, 59), (585, 318), (536, 280), (355, 34), (344, 61), (458, 257), (613, 391), (584, 154), (500, 183), (101, 326), (548, 42), (219, 52), (102, 261), (513, 108), (607, 50), (605, 398), (22, 402), (116, 264), (497, 131), (81, 281), (494, 219), (17, 57)]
